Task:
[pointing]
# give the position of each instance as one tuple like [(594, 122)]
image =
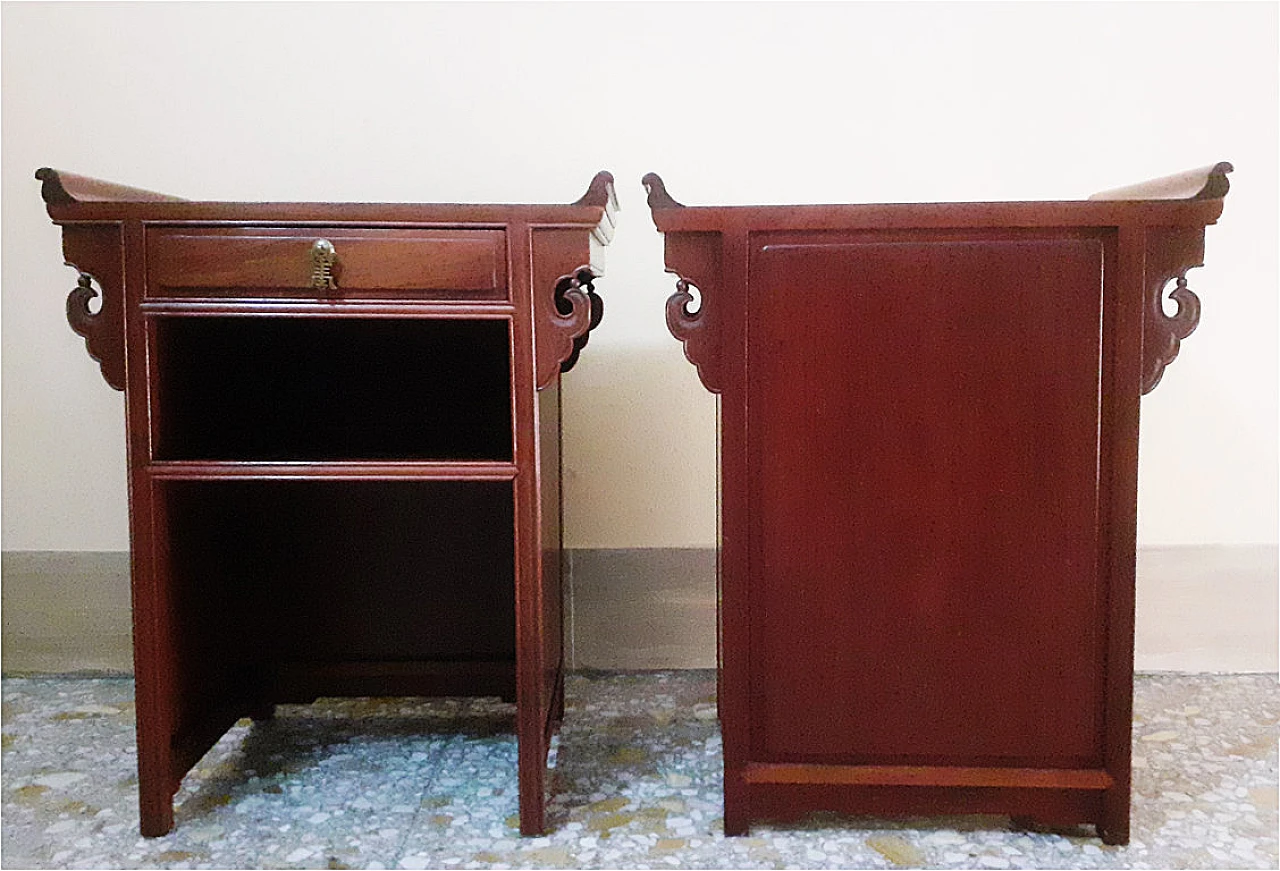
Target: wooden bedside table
[(344, 451), (929, 458)]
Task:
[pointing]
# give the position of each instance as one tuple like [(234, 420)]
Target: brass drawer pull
[(323, 258)]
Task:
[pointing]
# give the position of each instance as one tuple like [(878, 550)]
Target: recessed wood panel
[(923, 431)]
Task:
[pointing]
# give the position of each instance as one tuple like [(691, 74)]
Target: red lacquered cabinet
[(929, 452), (344, 451)]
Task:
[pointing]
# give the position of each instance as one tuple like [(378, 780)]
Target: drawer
[(277, 263)]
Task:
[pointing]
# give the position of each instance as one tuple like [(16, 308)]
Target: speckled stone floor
[(405, 783)]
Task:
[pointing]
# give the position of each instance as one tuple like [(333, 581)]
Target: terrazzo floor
[(408, 783)]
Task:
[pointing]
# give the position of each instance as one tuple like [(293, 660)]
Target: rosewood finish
[(929, 447), (344, 450)]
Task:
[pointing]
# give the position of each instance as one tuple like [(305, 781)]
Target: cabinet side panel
[(1123, 370), (924, 436), (552, 562)]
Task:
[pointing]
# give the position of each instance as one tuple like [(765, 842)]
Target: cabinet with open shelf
[(344, 430)]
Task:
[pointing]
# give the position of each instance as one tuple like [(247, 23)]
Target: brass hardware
[(323, 258)]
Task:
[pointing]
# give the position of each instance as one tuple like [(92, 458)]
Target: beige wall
[(732, 104)]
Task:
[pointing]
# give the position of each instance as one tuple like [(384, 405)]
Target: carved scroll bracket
[(94, 251), (1170, 253), (580, 282), (695, 259), (694, 325), (1163, 334), (565, 321), (693, 314)]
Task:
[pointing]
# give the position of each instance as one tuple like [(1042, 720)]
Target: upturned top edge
[(658, 196), (61, 188), (1204, 183)]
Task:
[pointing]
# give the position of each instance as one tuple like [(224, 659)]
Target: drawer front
[(278, 263)]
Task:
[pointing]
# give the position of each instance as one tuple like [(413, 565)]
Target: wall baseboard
[(65, 611), (1208, 608), (642, 608), (1199, 609)]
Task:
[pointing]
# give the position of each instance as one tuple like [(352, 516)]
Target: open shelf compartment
[(331, 389), (283, 591)]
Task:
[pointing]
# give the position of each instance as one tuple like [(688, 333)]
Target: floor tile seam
[(411, 829)]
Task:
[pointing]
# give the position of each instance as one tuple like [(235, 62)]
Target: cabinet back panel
[(284, 388), (923, 432)]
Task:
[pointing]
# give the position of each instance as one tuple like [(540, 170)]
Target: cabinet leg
[(737, 820), (557, 701), (735, 824), (155, 810), (1113, 827), (1114, 836), (532, 778), (532, 821), (156, 784)]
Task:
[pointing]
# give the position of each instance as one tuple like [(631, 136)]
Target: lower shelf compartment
[(285, 590)]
